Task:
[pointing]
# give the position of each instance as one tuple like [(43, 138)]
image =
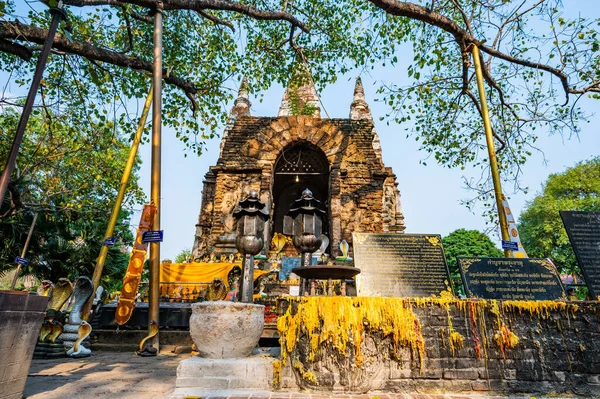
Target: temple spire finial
[(241, 107), (242, 104), (359, 109), (300, 97)]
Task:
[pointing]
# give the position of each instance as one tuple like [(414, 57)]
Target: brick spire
[(359, 109), (241, 106), (300, 97)]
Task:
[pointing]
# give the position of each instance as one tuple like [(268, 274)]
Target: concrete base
[(185, 393), (199, 375)]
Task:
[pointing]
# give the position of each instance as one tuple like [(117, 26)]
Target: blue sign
[(21, 261), (511, 246), (109, 242), (289, 263), (152, 236)]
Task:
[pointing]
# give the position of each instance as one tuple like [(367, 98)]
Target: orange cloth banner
[(133, 276), (197, 273)]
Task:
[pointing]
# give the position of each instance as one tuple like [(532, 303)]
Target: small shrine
[(339, 160)]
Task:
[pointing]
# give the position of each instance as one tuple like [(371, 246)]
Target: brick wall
[(363, 193), (558, 351)]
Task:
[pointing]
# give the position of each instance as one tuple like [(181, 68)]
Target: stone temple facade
[(339, 160)]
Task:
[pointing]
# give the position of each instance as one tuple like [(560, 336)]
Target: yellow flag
[(512, 229)]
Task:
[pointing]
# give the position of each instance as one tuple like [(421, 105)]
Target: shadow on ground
[(104, 375)]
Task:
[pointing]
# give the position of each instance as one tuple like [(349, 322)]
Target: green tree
[(183, 255), (70, 176), (468, 243), (540, 226), (539, 65)]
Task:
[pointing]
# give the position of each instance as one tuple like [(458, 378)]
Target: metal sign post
[(109, 241), (154, 287), (20, 260), (491, 151)]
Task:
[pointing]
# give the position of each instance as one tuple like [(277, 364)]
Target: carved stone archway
[(299, 166)]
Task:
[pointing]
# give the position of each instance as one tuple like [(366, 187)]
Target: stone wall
[(363, 193), (21, 316), (450, 345)]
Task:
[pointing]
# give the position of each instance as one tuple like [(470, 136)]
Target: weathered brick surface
[(363, 193), (558, 352)]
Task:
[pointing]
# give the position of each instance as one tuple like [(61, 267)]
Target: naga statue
[(149, 350), (56, 347), (45, 288), (61, 292), (47, 345), (84, 288), (78, 350), (41, 346)]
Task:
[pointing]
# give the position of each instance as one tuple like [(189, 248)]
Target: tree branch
[(463, 37), (217, 21), (18, 30), (200, 6), (6, 46), (464, 16)]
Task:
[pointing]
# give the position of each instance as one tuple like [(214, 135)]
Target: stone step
[(254, 372), (178, 341), (183, 393), (131, 347)]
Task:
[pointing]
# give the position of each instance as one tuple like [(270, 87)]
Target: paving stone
[(123, 376)]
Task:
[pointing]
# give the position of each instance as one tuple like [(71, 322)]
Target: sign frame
[(466, 284), (510, 245), (588, 282), (151, 236), (21, 261), (433, 239)]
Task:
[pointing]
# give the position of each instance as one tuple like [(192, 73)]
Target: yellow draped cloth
[(194, 274)]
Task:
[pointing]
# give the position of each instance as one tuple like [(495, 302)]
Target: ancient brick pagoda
[(339, 160)]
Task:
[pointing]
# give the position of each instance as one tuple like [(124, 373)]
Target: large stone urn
[(21, 316), (224, 330)]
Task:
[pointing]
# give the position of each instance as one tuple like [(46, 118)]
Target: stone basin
[(223, 329), (324, 272)]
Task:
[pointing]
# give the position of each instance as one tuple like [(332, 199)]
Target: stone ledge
[(181, 393), (254, 372)]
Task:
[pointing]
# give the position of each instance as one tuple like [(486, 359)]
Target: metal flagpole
[(491, 151), (154, 286), (57, 15), (117, 206), (16, 276)]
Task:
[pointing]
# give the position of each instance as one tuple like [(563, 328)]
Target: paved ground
[(279, 395), (104, 375), (108, 375)]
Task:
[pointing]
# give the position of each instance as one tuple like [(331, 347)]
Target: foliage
[(538, 64), (540, 226), (201, 56), (183, 255), (69, 174), (467, 243)]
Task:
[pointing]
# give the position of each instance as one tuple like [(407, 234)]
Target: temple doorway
[(298, 167)]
